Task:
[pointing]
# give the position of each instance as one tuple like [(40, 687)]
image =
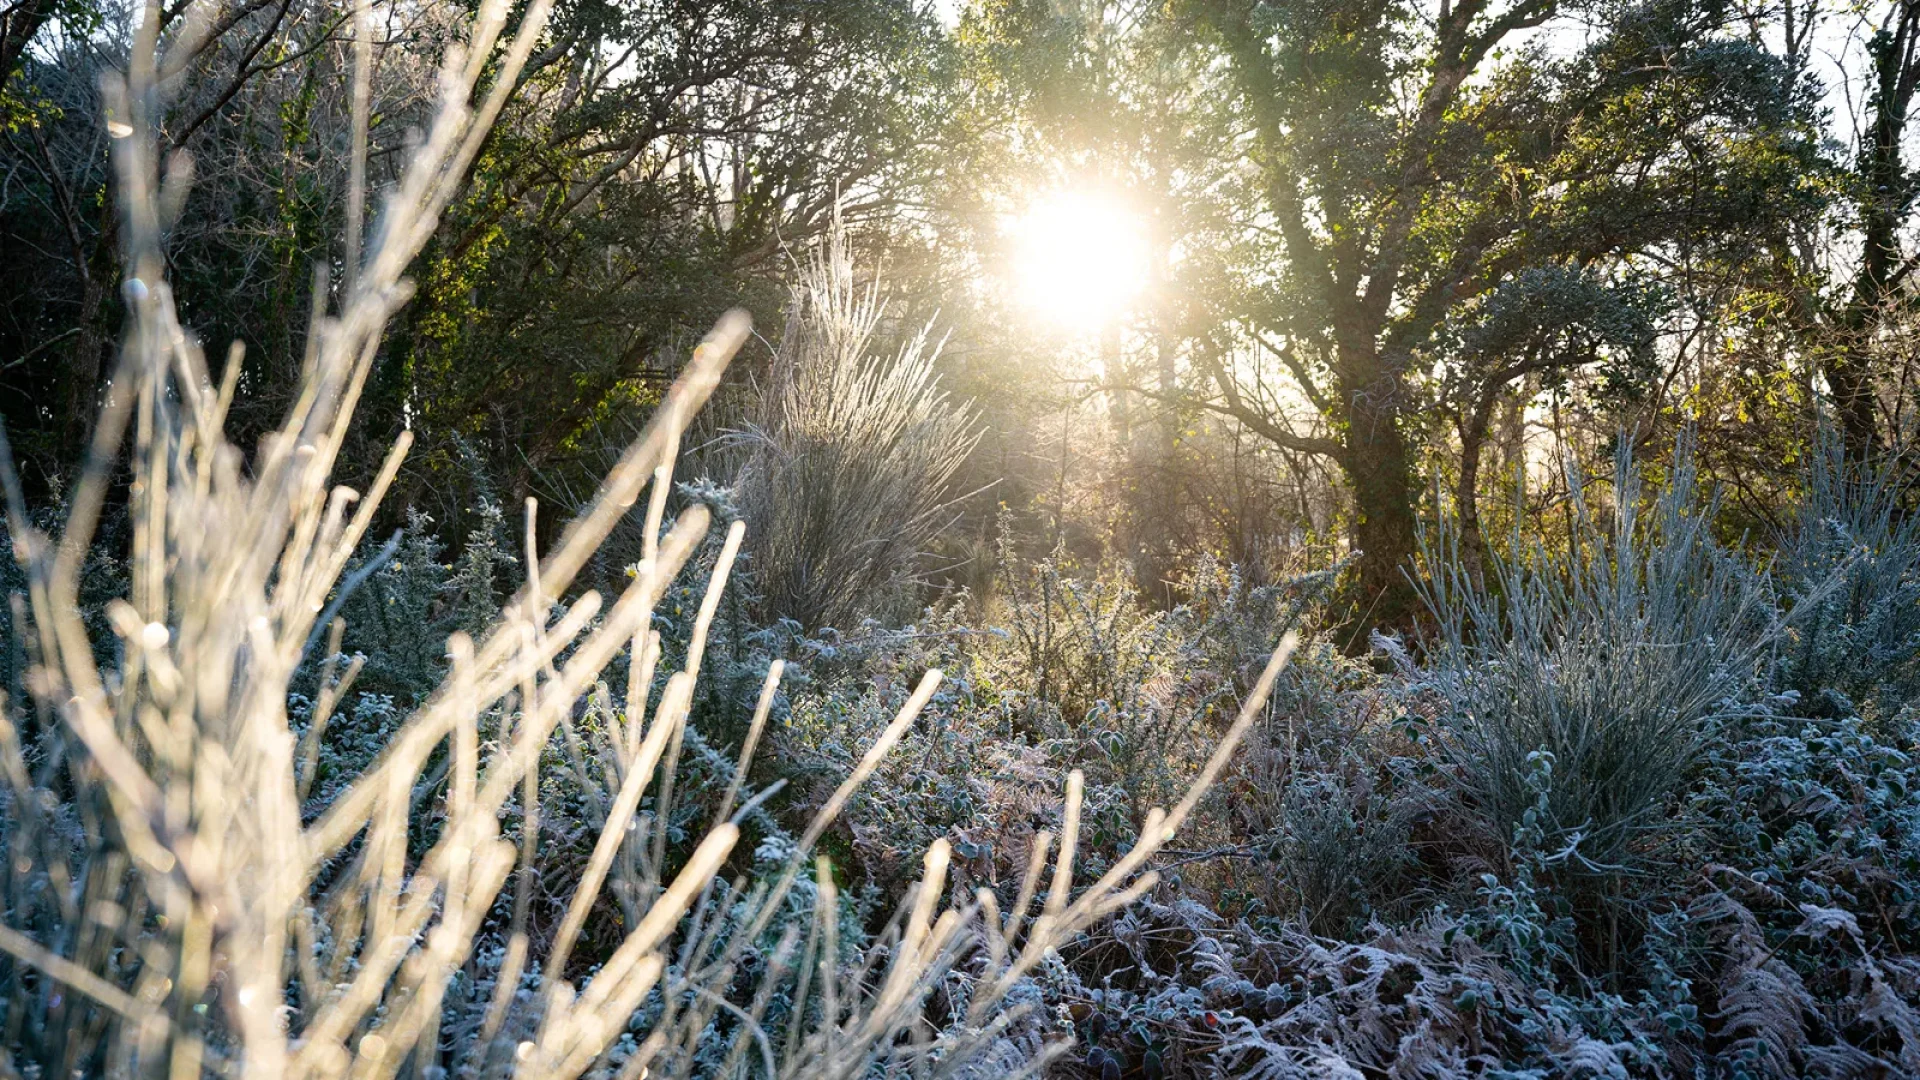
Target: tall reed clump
[(1615, 657), (179, 903), (848, 467)]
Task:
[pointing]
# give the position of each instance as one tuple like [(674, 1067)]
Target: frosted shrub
[(186, 896), (1852, 551), (1617, 657)]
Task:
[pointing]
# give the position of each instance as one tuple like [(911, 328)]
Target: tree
[(21, 22), (1101, 97), (660, 170), (1411, 174), (1846, 319), (652, 164), (251, 76)]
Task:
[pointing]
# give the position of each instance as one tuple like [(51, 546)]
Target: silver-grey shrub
[(850, 460), (1616, 656), (1853, 554)]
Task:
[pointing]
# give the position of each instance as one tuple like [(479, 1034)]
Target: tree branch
[(1286, 355), (1253, 419)]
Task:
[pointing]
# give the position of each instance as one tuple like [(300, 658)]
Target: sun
[(1079, 259)]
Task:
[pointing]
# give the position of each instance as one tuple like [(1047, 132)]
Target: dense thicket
[(652, 169)]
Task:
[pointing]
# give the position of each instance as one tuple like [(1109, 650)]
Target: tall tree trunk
[(1850, 379), (1887, 196), (1156, 506), (1466, 497), (1379, 462), (79, 399), (77, 387), (1384, 524), (1474, 430)]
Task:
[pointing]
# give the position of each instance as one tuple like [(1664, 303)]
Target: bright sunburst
[(1079, 259)]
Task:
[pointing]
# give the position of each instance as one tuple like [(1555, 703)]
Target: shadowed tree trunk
[(1886, 196), (19, 22), (1379, 464)]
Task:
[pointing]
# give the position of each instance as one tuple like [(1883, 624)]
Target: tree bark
[(1466, 497), (19, 23), (1474, 429), (76, 397), (1384, 529), (1850, 379), (1379, 462), (80, 382), (1887, 197)]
